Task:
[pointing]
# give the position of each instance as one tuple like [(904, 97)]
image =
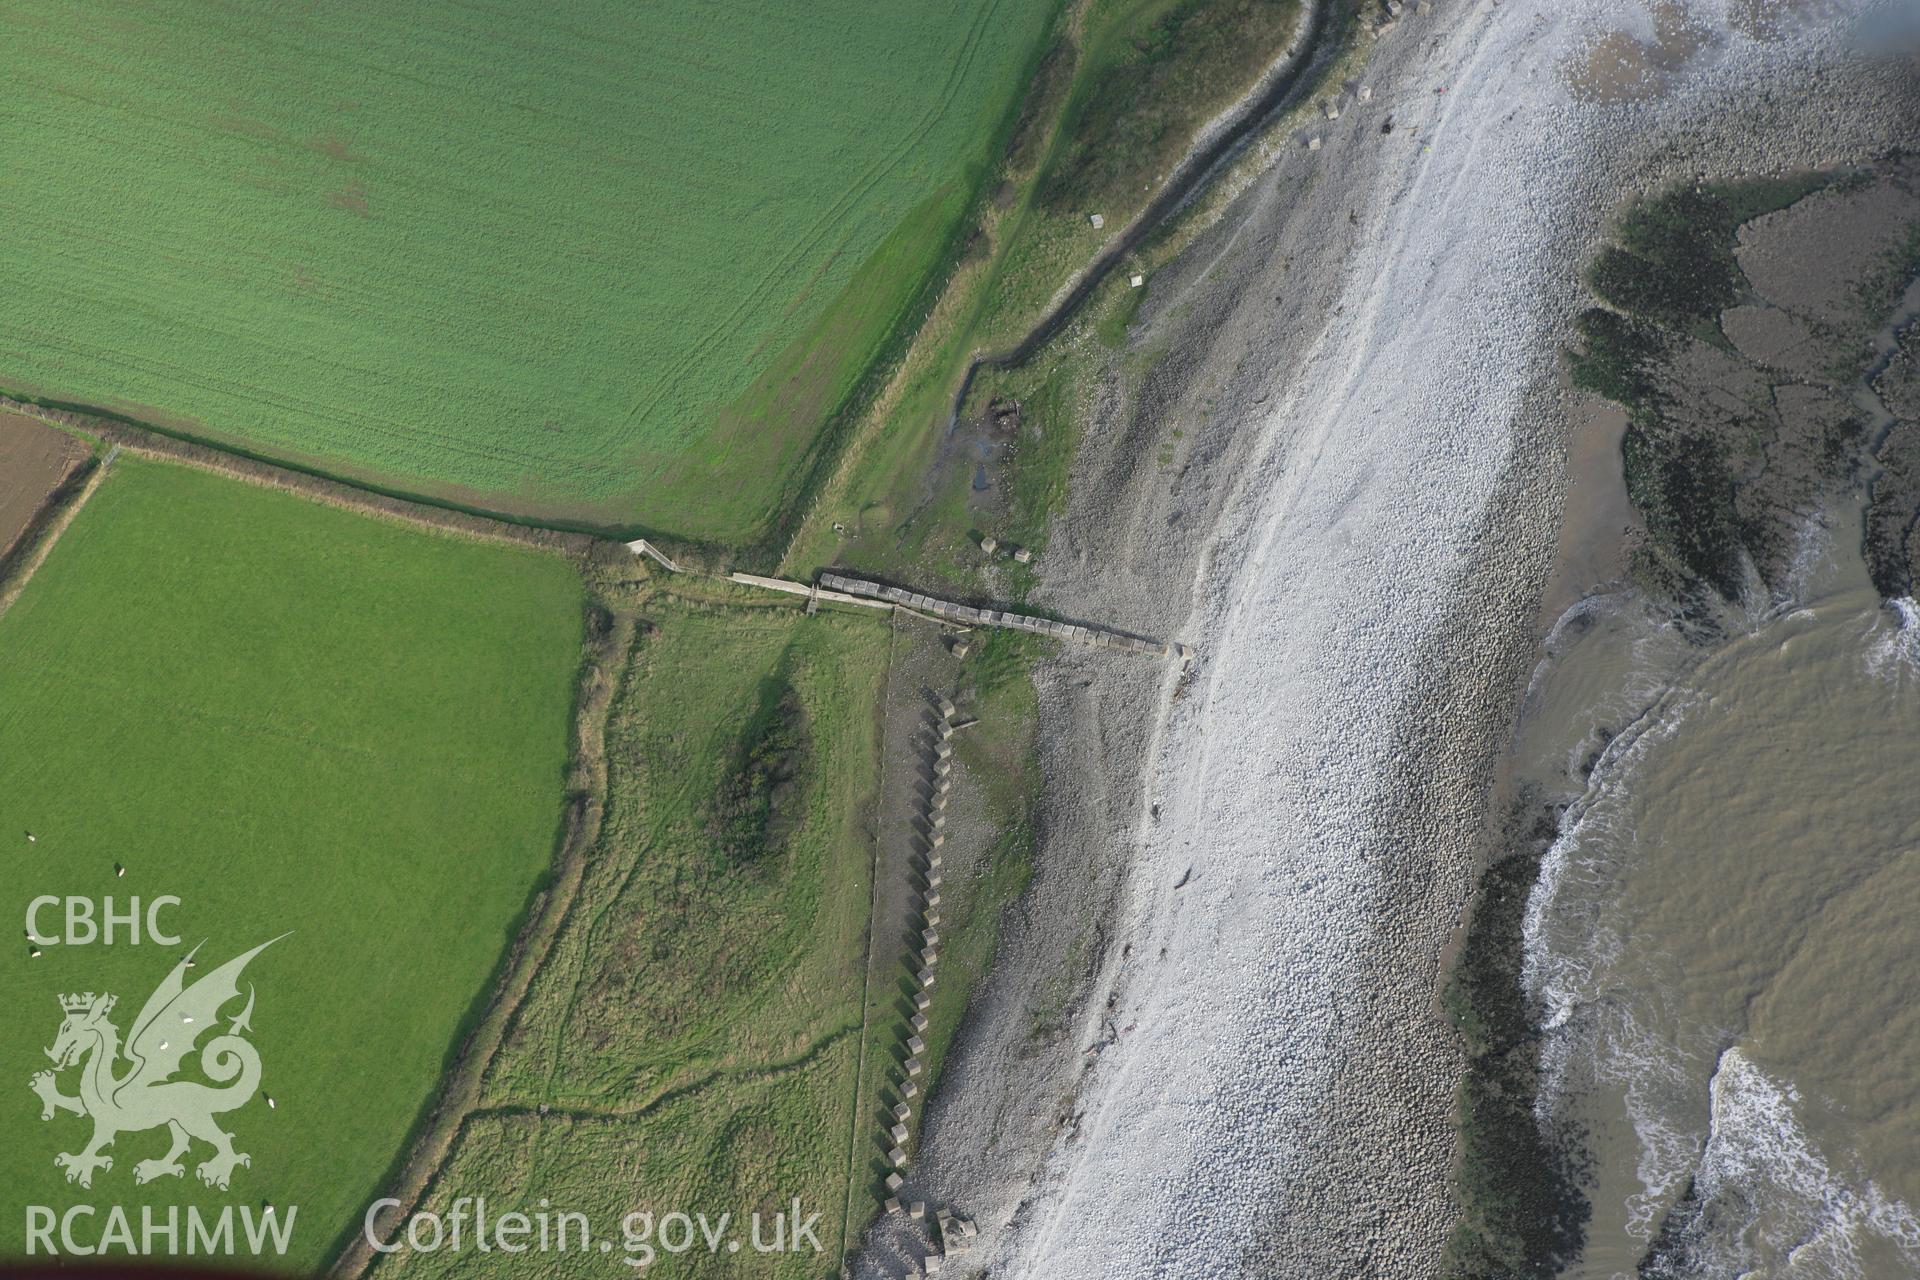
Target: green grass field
[(586, 261), (694, 1033), (293, 718)]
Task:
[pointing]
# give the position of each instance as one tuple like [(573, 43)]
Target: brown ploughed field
[(34, 459)]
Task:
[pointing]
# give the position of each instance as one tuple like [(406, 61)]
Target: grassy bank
[(691, 1042), (1115, 102)]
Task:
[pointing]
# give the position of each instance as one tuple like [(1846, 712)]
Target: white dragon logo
[(146, 1096)]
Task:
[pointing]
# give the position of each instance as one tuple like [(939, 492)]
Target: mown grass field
[(694, 1033), (589, 261), (292, 718)]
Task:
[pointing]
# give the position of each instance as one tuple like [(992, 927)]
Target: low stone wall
[(1095, 637)]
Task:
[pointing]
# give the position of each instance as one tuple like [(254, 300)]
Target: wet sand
[(1598, 523)]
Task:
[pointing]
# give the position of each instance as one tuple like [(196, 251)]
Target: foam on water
[(1893, 642), (1691, 911), (1596, 830), (1812, 1220)]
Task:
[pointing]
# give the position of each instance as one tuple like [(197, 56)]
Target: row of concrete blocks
[(927, 959), (930, 864), (1097, 637), (955, 1235)]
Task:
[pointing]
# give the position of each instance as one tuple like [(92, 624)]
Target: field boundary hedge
[(149, 442)]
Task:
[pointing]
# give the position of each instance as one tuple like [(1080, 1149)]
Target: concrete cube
[(902, 1112), (893, 1181), (919, 1023), (913, 1067), (892, 1204), (915, 1046), (898, 1134), (917, 1210), (897, 1158), (921, 1001), (909, 1089)]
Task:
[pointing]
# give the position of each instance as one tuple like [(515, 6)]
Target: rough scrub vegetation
[(1131, 123)]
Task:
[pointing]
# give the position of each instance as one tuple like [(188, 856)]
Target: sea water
[(1724, 944)]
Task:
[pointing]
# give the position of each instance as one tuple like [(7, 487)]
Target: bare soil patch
[(34, 461)]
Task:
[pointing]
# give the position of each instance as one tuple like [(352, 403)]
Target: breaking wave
[(1765, 1200), (1893, 643)]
